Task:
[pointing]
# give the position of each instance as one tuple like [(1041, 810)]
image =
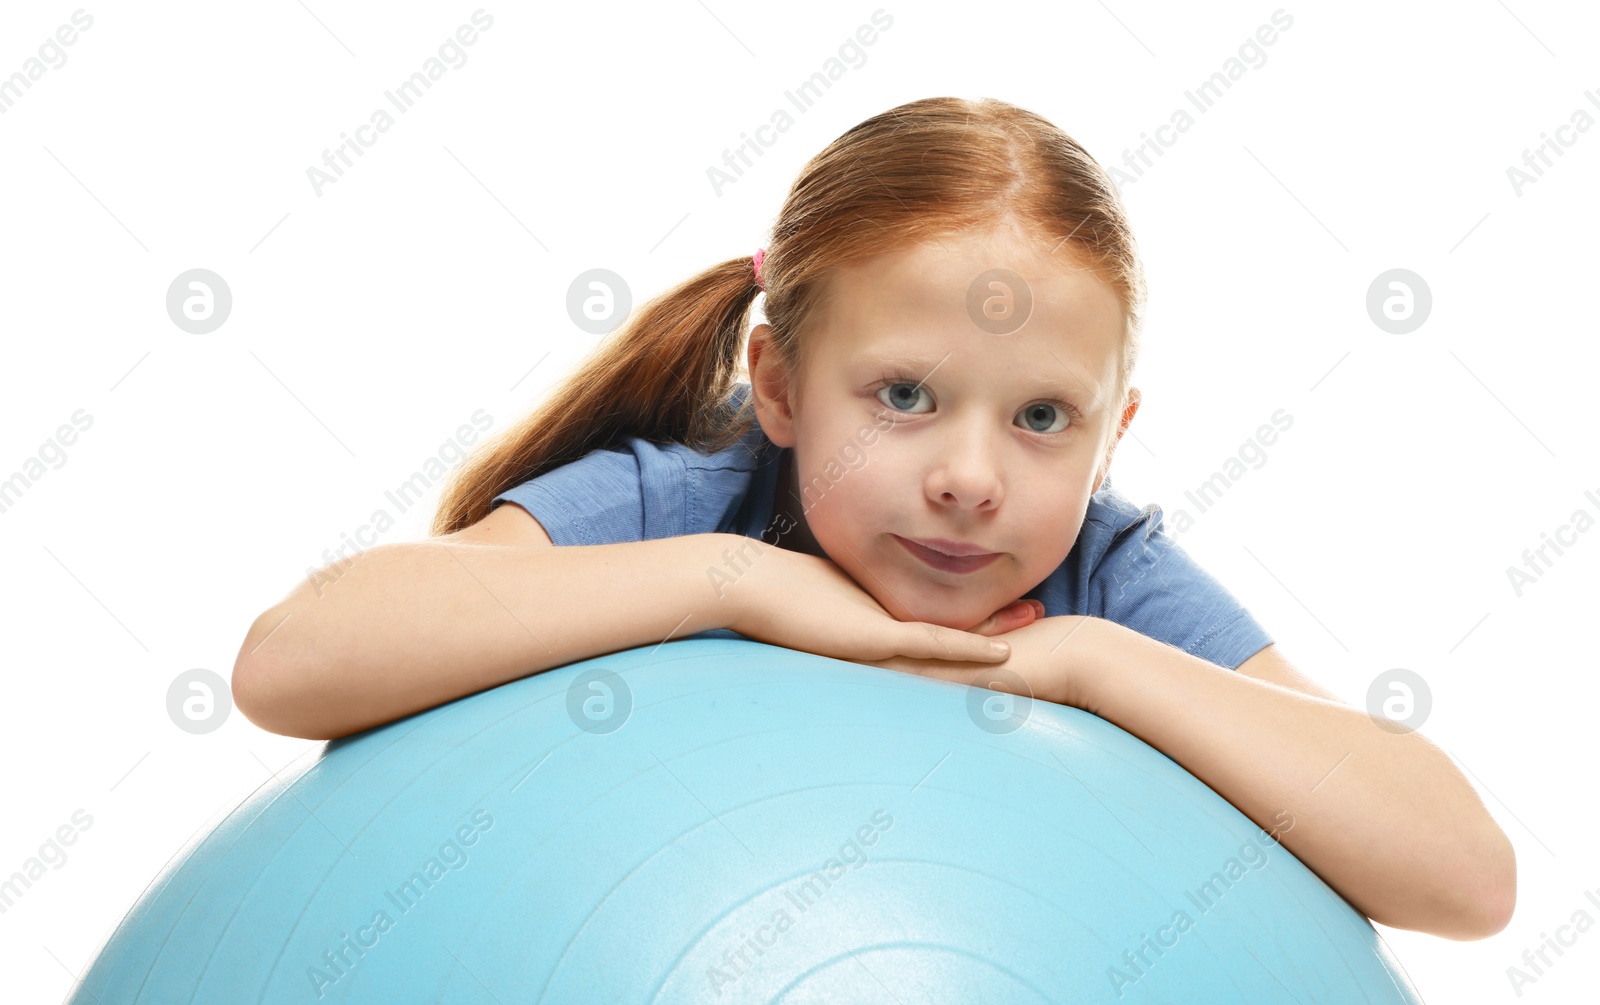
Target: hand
[(1049, 661), (801, 601), (1017, 614)]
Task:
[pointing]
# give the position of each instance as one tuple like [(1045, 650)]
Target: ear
[(771, 388), (1128, 412)]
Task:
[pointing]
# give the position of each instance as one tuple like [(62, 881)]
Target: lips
[(932, 551), (955, 549)]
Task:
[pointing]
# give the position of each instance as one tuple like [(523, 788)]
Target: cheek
[(881, 495), (1063, 535), (868, 495), (853, 506), (1050, 528)]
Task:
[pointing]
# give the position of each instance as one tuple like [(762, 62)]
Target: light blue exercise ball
[(719, 820)]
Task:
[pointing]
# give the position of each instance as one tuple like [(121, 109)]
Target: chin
[(959, 618), (921, 609)]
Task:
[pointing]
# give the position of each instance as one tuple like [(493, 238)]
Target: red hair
[(911, 174)]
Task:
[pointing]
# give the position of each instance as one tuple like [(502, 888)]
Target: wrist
[(724, 559), (1079, 646), (717, 566)]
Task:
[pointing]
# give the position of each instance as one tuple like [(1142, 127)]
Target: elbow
[(274, 700), (1487, 891), (262, 694), (1479, 873), (264, 690), (1467, 902), (1485, 916), (1499, 902)]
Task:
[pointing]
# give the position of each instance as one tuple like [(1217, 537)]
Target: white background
[(371, 321)]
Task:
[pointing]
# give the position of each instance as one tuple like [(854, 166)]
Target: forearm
[(1383, 817), (407, 626)]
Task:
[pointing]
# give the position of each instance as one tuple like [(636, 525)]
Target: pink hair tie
[(759, 257)]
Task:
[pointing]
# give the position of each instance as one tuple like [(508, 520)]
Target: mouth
[(944, 562)]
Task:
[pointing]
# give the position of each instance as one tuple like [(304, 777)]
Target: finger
[(952, 674), (937, 642), (1006, 619), (988, 626)]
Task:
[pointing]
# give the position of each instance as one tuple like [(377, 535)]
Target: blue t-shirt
[(1123, 567)]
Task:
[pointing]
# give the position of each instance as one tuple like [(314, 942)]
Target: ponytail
[(666, 375)]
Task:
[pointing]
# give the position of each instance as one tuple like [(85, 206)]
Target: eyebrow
[(1071, 389)]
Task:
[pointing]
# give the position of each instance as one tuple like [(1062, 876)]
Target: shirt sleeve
[(1148, 583), (635, 491)]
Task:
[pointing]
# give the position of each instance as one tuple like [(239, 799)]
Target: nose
[(966, 473)]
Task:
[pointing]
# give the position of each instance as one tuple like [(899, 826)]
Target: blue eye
[(1032, 411), (906, 392), (910, 388)]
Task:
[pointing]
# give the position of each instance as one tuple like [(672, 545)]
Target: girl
[(915, 476)]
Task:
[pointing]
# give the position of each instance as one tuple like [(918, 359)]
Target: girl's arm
[(405, 626), (1382, 817)]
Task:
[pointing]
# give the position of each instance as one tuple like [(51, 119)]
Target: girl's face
[(926, 412)]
